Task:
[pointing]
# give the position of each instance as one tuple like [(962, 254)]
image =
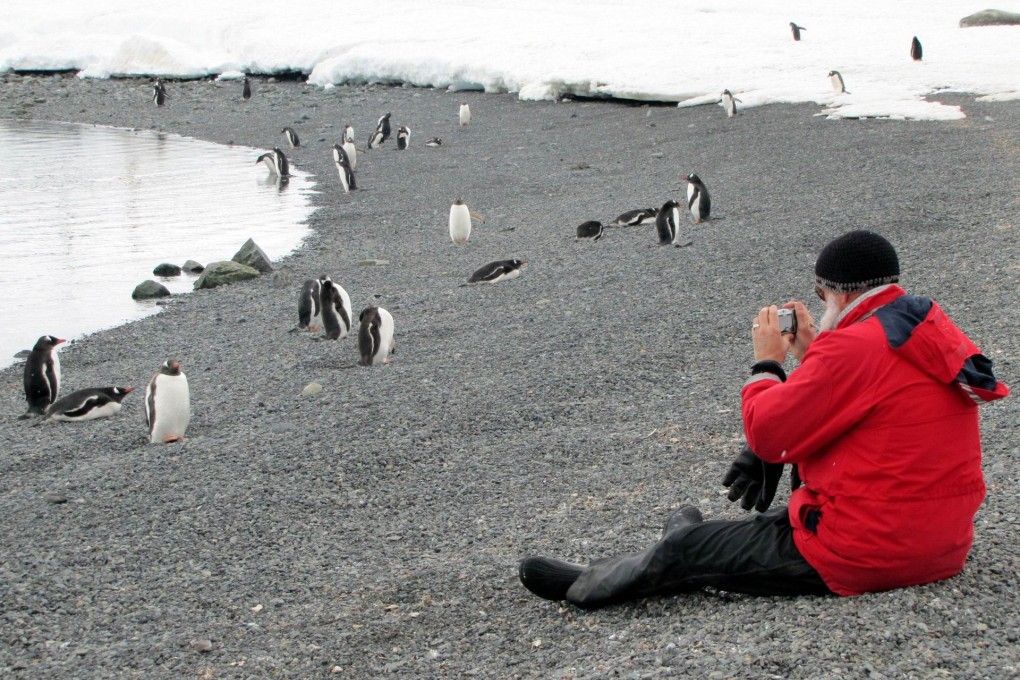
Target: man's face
[(834, 304)]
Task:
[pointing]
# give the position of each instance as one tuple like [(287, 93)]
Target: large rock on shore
[(223, 273), (253, 256), (990, 17), (147, 290)]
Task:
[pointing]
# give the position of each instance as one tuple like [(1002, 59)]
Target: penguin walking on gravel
[(460, 221), (336, 310), (729, 102), (375, 336), (276, 162), (159, 94), (167, 404), (291, 136), (352, 154), (343, 168), (42, 375), (500, 270), (348, 135), (310, 305), (591, 230), (698, 201), (403, 137), (246, 89), (915, 49), (633, 218), (836, 80), (667, 221), (88, 404), (795, 29), (464, 115)]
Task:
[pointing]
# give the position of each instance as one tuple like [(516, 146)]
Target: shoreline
[(376, 528)]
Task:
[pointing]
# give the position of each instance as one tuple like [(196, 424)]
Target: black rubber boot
[(548, 578), (683, 516)]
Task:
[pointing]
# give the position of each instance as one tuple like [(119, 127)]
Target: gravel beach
[(375, 529)]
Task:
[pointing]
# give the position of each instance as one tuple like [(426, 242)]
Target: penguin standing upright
[(382, 132), (500, 270), (291, 136), (460, 221), (309, 305), (591, 230), (158, 92), (698, 201), (276, 162), (42, 375), (167, 404), (352, 154), (403, 137), (915, 49), (349, 133), (375, 336), (246, 90), (667, 221), (336, 310), (88, 404), (464, 115), (836, 80), (343, 168), (795, 29), (729, 102)]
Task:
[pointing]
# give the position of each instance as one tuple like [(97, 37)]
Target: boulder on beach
[(222, 273), (253, 256), (147, 290), (990, 17), (167, 269), (193, 267)]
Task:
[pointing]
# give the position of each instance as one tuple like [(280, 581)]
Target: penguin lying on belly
[(87, 404)]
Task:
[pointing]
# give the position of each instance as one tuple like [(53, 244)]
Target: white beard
[(831, 316)]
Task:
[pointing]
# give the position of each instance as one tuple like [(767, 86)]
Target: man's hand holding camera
[(778, 330)]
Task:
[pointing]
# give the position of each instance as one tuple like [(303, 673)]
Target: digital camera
[(787, 321)]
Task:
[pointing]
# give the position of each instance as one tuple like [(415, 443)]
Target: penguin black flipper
[(368, 334), (665, 222)]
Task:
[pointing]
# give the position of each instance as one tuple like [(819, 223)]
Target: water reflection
[(87, 212)]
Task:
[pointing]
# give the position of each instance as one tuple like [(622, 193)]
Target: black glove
[(752, 480)]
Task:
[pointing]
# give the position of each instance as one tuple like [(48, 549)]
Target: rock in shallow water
[(250, 254), (222, 273), (146, 290), (167, 269), (990, 17), (193, 267)]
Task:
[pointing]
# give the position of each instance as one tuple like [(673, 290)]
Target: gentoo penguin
[(382, 132), (349, 133), (309, 305), (246, 90), (375, 336), (795, 29), (336, 310), (667, 221), (352, 155), (915, 49), (589, 231), (498, 271), (698, 200), (159, 92), (291, 136), (434, 141), (384, 124), (465, 114), (460, 221), (729, 102), (633, 218), (276, 162), (403, 137), (42, 375), (88, 404), (836, 80), (343, 168), (167, 404)]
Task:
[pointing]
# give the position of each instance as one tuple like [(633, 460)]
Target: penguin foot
[(171, 438)]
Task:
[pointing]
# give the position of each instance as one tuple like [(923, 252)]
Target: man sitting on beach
[(880, 426)]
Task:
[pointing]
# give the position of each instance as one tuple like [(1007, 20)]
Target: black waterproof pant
[(756, 556)]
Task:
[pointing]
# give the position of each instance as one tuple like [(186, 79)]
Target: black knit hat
[(857, 261)]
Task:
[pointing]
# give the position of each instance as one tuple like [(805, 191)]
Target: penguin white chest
[(460, 223), (465, 114), (167, 407), (386, 341), (352, 153)]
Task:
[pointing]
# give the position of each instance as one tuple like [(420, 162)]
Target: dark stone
[(193, 267), (990, 17), (167, 269), (149, 289), (253, 256)]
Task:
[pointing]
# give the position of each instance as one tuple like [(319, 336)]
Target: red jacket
[(882, 423)]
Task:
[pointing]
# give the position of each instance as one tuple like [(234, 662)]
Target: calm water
[(87, 212)]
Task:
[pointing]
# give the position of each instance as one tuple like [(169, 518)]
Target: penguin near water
[(246, 90), (464, 115), (403, 137), (42, 375), (836, 80), (698, 201), (309, 305), (336, 310), (915, 49), (591, 230), (666, 222), (729, 102), (167, 404), (276, 162), (159, 93), (795, 29), (500, 270), (460, 221), (343, 168), (375, 336), (88, 404), (633, 218), (292, 137)]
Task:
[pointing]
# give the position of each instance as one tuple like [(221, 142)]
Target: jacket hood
[(920, 332)]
